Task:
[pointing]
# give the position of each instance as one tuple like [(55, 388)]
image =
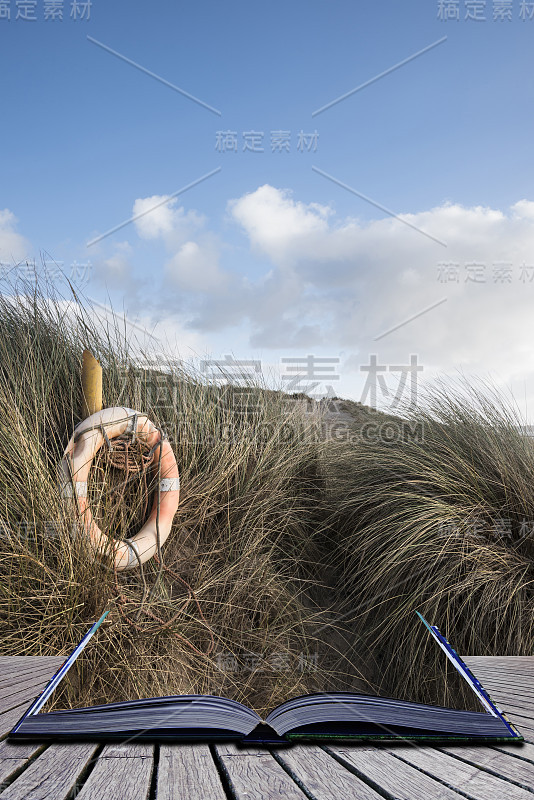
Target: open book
[(313, 717)]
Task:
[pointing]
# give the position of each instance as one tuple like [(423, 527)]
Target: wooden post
[(91, 385)]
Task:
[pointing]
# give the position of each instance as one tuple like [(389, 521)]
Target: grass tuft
[(441, 522)]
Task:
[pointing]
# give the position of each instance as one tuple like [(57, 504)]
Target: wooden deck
[(223, 772)]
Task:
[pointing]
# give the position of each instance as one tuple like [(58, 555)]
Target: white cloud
[(13, 246), (524, 209), (333, 283), (358, 280), (162, 220), (195, 253), (117, 267), (278, 225), (195, 267)]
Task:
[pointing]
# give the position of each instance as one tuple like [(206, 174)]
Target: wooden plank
[(10, 663), (503, 674), (526, 732), (188, 772), (8, 660), (507, 682), (9, 718), (53, 774), (29, 665), (497, 685), (521, 722), (495, 689), (18, 677), (27, 681), (521, 661), (504, 699), (517, 697), (514, 706), (128, 750), (122, 772), (13, 757), (505, 678), (403, 781), (256, 775), (8, 750), (517, 715), (517, 701), (18, 668), (513, 703), (499, 666), (526, 750), (503, 764), (467, 778), (326, 778), (524, 660), (509, 674), (499, 679), (21, 695)]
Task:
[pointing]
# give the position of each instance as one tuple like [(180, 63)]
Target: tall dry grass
[(246, 537), (297, 545), (438, 518)]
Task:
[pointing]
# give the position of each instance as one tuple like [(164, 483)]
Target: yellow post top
[(91, 385)]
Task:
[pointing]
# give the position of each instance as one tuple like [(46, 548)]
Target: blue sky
[(268, 258)]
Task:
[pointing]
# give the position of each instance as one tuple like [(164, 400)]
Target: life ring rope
[(131, 552), (88, 437)]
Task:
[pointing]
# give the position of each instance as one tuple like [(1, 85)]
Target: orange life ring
[(87, 439)]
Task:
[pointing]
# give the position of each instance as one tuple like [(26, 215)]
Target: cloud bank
[(341, 283)]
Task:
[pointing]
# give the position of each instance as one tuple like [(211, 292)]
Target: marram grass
[(442, 523), (245, 537), (307, 555)]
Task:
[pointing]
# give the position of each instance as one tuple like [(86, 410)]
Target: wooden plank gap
[(323, 777), (502, 765), (118, 778), (224, 775), (53, 775), (385, 773), (525, 752), (85, 773), (256, 778), (13, 765), (481, 784)]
